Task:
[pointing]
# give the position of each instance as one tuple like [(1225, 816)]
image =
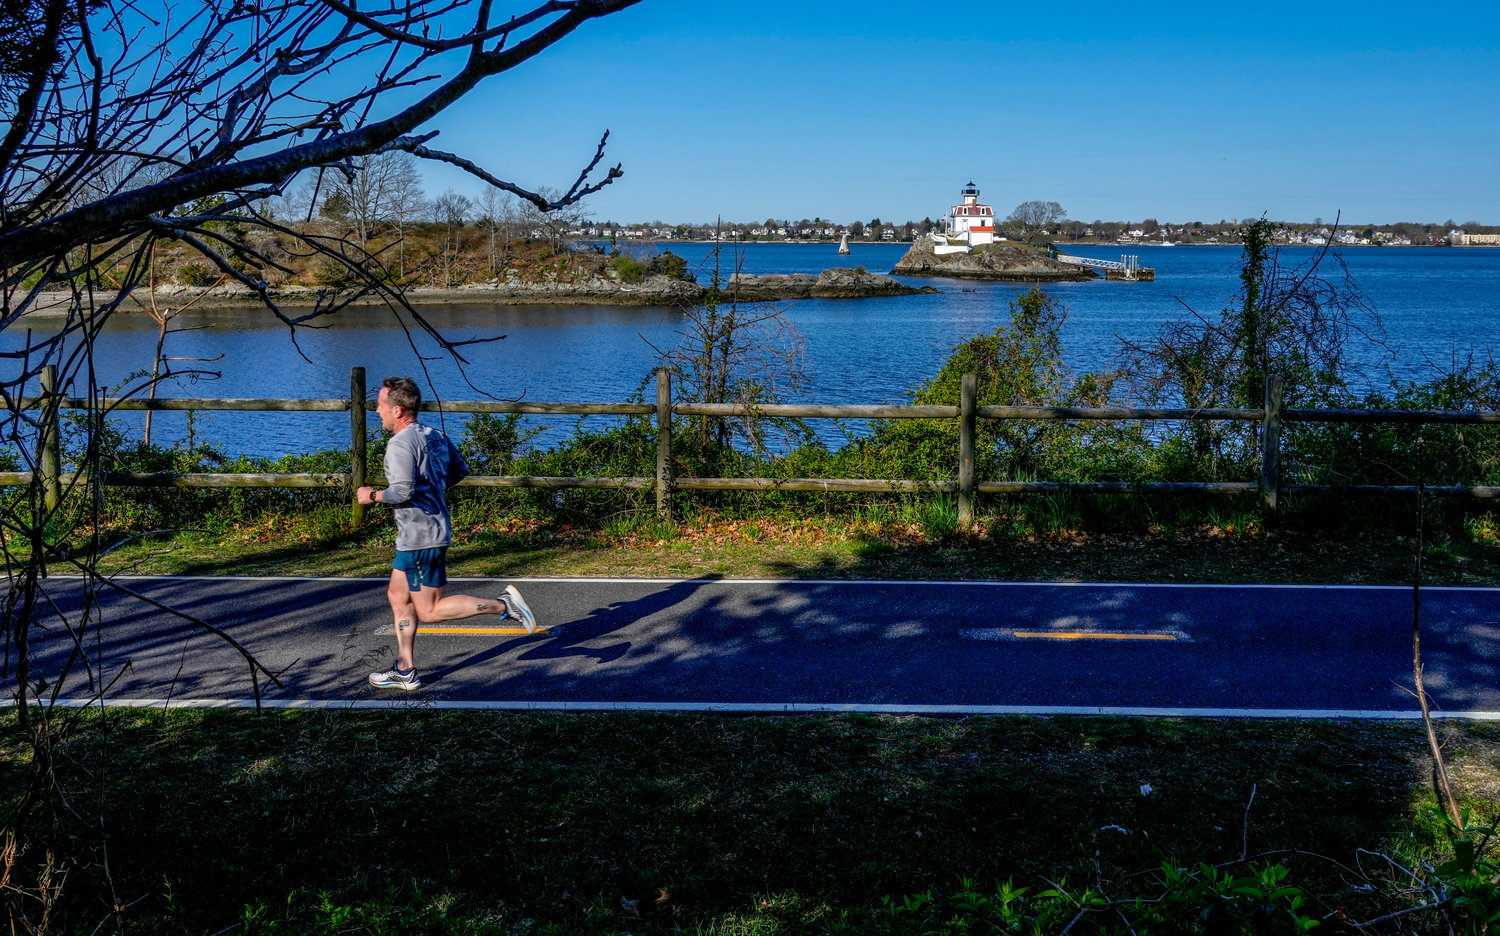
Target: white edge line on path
[(908, 583), (788, 708)]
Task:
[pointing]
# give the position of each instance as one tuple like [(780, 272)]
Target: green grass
[(916, 541), (420, 822), (416, 821)]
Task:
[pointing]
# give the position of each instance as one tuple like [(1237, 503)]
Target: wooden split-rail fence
[(1272, 416)]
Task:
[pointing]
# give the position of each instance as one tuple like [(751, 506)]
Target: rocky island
[(992, 261), (531, 273), (836, 283)]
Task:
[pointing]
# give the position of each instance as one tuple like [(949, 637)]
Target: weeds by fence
[(966, 486)]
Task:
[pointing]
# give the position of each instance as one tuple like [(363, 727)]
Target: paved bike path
[(740, 645)]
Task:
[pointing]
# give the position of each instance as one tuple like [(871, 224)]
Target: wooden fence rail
[(1271, 417)]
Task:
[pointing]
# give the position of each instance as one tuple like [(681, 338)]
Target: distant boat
[(844, 244)]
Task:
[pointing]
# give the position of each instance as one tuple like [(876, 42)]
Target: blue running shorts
[(423, 567)]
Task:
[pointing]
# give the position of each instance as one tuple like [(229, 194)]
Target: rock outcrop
[(836, 283), (998, 261)]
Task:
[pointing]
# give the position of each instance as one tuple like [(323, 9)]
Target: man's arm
[(400, 477), (369, 495), (400, 470)]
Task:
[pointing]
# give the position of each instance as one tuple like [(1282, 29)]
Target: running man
[(421, 463)]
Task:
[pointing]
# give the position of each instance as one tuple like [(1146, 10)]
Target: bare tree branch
[(579, 191), (134, 125), (220, 169)]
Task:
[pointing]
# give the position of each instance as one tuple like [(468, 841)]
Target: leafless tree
[(133, 123), (371, 188), (551, 226), (163, 315), (733, 352), (1032, 219), (449, 211), (407, 204), (495, 208)]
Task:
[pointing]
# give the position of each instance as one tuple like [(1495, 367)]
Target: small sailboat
[(844, 243)]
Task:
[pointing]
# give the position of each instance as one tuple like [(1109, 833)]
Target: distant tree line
[(383, 195)]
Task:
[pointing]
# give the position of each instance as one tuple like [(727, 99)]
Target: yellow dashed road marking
[(458, 631), (427, 630), (1090, 635)]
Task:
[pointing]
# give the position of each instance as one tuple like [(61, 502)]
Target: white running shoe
[(393, 678), (516, 607)]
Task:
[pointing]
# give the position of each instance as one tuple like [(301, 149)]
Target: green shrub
[(493, 441), (196, 275), (628, 268), (669, 265), (333, 274)]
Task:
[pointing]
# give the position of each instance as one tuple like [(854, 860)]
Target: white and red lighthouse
[(971, 222)]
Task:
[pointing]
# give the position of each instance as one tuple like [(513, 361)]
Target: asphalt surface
[(737, 645)]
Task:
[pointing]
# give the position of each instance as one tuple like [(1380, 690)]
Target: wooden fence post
[(357, 436), (1270, 442), (966, 424), (51, 439), (663, 443)]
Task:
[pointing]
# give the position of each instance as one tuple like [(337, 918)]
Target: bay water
[(1437, 305)]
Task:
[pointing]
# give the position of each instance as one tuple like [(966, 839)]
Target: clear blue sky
[(851, 110)]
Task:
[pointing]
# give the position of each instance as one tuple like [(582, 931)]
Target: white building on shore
[(1460, 239)]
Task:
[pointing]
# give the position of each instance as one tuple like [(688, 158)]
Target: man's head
[(398, 403)]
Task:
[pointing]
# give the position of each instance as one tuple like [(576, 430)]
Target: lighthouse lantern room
[(971, 221)]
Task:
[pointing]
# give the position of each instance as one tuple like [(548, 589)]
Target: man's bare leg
[(432, 607), (404, 609), (429, 606)]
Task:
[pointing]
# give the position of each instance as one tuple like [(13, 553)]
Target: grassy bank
[(412, 821), (893, 548)]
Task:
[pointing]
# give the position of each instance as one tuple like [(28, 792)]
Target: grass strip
[(807, 549), (473, 822)]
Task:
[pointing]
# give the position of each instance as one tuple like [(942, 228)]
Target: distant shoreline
[(666, 243)]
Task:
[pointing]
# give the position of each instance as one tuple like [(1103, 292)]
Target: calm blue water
[(1436, 303)]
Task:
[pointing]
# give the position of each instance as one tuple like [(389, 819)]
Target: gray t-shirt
[(420, 465)]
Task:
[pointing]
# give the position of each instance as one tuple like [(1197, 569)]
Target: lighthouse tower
[(971, 221)]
